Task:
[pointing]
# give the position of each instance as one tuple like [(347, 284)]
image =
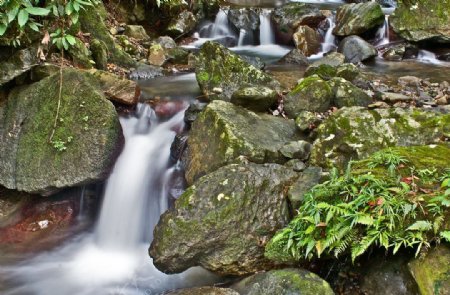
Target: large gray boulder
[(223, 132), (355, 49), (244, 18), (85, 143), (355, 132), (421, 20), (355, 19), (184, 23), (17, 64), (287, 281), (204, 291), (223, 222), (220, 72)]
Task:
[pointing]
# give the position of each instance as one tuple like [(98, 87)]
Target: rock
[(244, 18), (348, 95), (218, 67), (307, 121), (99, 54), (117, 89), (192, 112), (307, 40), (184, 23), (283, 282), (127, 45), (296, 165), (432, 272), (288, 17), (258, 98), (223, 132), (136, 32), (425, 20), (87, 133), (204, 291), (347, 71), (311, 94), (156, 55), (395, 53), (92, 21), (392, 97), (296, 57), (355, 49), (254, 61), (324, 71), (42, 71), (178, 55), (19, 63), (355, 19), (388, 275), (410, 81), (353, 133), (297, 150), (223, 221), (306, 181), (333, 59), (11, 203)]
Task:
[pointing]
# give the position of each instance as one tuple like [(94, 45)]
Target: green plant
[(353, 212), (61, 145)]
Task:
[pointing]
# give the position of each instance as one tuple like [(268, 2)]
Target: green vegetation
[(368, 207), (52, 20)]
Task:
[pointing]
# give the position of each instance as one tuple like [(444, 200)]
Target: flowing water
[(266, 34), (113, 258)]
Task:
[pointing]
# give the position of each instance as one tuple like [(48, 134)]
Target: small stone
[(296, 165), (297, 150), (442, 100)]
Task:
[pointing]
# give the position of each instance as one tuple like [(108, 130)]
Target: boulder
[(161, 50), (306, 181), (283, 282), (333, 59), (223, 221), (223, 132), (99, 54), (244, 18), (178, 55), (204, 291), (326, 71), (87, 133), (19, 63), (348, 95), (290, 16), (355, 19), (80, 54), (432, 272), (422, 20), (307, 40), (220, 72), (355, 49), (93, 21), (136, 32), (355, 132), (117, 89), (184, 23), (307, 121), (296, 57), (258, 98), (388, 275), (311, 94), (297, 150)]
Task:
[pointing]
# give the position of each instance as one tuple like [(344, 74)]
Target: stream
[(110, 256)]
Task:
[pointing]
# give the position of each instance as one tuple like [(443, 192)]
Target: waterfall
[(241, 39), (266, 34), (135, 178), (382, 35), (220, 26), (329, 41), (428, 57)]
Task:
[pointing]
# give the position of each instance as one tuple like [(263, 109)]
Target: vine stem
[(59, 95)]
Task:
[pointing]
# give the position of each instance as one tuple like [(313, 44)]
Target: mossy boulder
[(355, 132), (432, 272), (258, 98), (355, 19), (325, 71), (223, 132), (421, 20), (223, 221), (290, 16), (93, 21), (136, 32), (184, 23), (220, 72), (87, 133), (311, 94), (244, 18), (348, 95), (99, 54), (204, 291), (80, 54), (283, 282)]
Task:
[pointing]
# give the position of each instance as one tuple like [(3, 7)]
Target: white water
[(429, 57), (382, 35), (242, 34), (114, 259), (266, 34), (329, 41)]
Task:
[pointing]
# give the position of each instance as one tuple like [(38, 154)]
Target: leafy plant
[(351, 213)]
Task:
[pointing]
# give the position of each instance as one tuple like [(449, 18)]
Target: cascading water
[(329, 41), (266, 34), (114, 259), (382, 35)]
